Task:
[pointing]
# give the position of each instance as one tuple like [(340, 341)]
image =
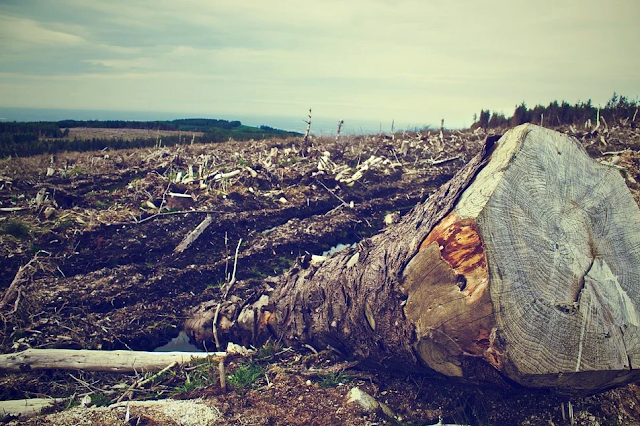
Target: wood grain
[(562, 236)]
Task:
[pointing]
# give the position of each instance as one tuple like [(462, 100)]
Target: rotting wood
[(91, 360), (193, 235)]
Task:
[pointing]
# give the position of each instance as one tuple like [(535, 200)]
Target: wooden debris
[(26, 407), (13, 292), (91, 360), (193, 235)]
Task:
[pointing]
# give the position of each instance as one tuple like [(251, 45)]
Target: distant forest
[(32, 138), (617, 110)]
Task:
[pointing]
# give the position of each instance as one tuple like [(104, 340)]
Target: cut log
[(89, 360), (538, 269), (524, 267), (526, 263)]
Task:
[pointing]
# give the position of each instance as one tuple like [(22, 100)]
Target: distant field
[(126, 134)]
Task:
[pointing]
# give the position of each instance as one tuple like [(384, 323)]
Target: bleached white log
[(92, 360), (26, 406)]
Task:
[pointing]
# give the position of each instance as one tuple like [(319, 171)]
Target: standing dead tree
[(306, 133), (340, 123)]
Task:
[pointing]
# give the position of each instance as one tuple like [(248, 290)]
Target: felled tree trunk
[(526, 263)]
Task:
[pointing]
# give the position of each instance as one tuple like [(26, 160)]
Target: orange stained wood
[(460, 245)]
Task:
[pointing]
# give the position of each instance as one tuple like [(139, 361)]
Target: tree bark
[(525, 266)]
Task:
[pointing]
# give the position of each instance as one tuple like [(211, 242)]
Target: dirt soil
[(126, 134), (98, 233)]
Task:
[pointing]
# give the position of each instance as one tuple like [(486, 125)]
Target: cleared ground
[(103, 227)]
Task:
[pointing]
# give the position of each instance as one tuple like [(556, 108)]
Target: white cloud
[(16, 32), (123, 64), (376, 58)]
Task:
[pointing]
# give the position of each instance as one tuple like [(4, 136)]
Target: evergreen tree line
[(25, 144), (617, 109), (23, 139), (43, 129), (187, 124), (11, 146)]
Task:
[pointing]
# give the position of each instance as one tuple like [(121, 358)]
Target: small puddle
[(338, 247), (178, 344)]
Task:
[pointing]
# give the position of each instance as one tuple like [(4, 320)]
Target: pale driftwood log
[(26, 407), (193, 235), (526, 263), (89, 360)]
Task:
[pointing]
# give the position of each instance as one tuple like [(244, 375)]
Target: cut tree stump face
[(537, 269)]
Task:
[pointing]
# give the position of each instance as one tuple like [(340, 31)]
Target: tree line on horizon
[(617, 109), (182, 124), (33, 138)]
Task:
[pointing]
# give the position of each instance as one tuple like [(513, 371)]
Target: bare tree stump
[(536, 269), (526, 263)]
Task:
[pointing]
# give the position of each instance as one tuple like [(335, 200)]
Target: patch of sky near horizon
[(413, 61)]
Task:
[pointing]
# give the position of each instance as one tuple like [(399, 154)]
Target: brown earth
[(103, 227), (126, 134)]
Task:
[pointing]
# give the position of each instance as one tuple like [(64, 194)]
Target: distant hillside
[(32, 138)]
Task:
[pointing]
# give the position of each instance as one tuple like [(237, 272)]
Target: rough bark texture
[(527, 261), (354, 301)]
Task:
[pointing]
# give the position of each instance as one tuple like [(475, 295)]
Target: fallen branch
[(141, 383), (616, 152), (444, 160), (89, 360), (193, 235), (13, 290), (334, 194)]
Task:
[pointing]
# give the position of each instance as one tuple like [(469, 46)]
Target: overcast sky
[(412, 61)]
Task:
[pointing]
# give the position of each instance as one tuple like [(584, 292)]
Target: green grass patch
[(216, 284), (332, 380), (245, 376), (268, 350), (200, 373), (101, 400), (17, 229)]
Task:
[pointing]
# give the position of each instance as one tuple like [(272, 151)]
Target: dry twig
[(14, 292)]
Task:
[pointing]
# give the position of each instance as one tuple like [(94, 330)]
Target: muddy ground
[(99, 230)]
